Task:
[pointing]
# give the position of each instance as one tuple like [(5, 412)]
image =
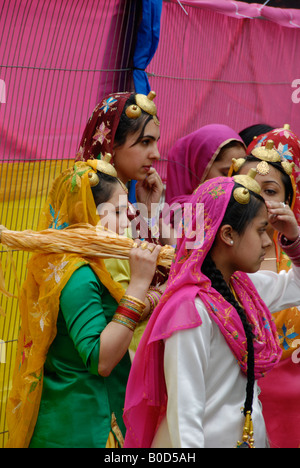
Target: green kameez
[(77, 403)]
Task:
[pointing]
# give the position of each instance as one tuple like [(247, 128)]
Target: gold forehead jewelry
[(145, 103), (242, 194), (237, 164), (267, 153), (103, 165), (263, 168)]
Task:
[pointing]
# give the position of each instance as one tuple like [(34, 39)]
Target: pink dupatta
[(146, 396), (191, 158)]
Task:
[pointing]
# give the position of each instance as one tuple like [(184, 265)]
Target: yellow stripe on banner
[(23, 191)]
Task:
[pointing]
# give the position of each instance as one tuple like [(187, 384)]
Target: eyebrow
[(264, 223), (151, 137), (264, 182)]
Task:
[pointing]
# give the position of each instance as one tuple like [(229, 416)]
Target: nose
[(267, 241), (124, 223), (155, 154)]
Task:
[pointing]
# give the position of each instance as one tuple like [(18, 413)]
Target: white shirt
[(206, 388)]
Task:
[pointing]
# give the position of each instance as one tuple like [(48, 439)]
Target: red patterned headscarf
[(287, 143), (99, 134)]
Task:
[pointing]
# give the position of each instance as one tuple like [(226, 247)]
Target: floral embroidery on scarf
[(285, 335), (55, 220), (26, 350), (55, 271), (107, 103), (101, 134), (215, 193), (284, 151), (36, 380), (282, 132), (75, 177), (79, 154), (39, 315), (260, 142)]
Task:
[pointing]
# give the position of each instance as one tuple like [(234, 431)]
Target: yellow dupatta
[(70, 202)]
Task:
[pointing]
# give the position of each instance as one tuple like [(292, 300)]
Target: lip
[(147, 168)]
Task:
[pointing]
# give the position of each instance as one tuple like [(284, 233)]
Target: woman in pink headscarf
[(212, 336), (199, 156)]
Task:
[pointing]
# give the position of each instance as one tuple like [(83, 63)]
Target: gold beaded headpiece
[(266, 154), (144, 103), (242, 194), (103, 165)]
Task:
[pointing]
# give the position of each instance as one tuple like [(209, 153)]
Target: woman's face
[(134, 159), (113, 213), (222, 164), (272, 186), (249, 248)]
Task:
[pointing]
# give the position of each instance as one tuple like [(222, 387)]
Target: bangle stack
[(129, 312), (292, 250), (153, 296)]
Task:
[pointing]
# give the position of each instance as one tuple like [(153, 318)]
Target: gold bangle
[(134, 300), (126, 322)]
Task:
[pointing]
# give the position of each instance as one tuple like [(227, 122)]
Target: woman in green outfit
[(77, 323)]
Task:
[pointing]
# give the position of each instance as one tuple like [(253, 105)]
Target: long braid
[(219, 284)]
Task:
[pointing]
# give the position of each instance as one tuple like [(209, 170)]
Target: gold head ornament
[(145, 103), (269, 154), (248, 182), (237, 164), (104, 166)]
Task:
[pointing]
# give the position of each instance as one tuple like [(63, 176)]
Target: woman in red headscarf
[(280, 389), (126, 126)]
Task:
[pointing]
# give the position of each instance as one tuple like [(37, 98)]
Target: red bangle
[(128, 313)]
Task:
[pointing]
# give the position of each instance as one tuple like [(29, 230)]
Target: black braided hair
[(219, 284), (238, 216)]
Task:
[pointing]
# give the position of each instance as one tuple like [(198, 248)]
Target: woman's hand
[(143, 263), (283, 220), (150, 190)]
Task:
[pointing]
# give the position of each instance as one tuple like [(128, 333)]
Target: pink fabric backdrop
[(213, 65), (51, 54)]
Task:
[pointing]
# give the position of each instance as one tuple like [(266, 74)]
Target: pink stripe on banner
[(51, 54), (213, 68)]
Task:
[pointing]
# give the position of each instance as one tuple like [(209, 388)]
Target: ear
[(226, 235)]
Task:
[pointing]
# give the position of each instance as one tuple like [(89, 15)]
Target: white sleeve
[(278, 290), (186, 360)]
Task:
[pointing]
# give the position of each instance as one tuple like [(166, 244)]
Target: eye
[(270, 192)]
